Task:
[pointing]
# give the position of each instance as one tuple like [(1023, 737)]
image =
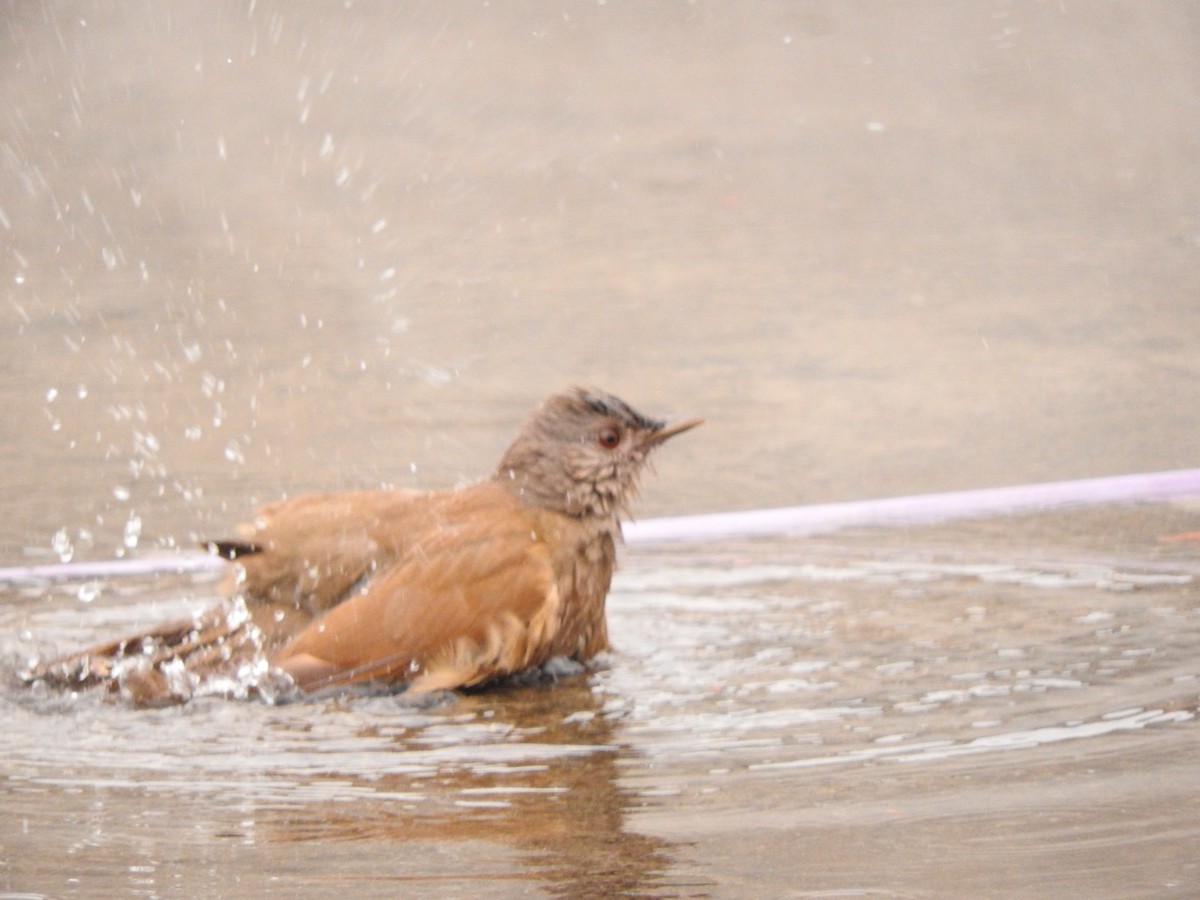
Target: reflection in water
[(508, 768)]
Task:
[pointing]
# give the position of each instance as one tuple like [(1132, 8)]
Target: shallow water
[(918, 712), (250, 249)]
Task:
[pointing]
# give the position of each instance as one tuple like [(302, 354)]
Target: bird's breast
[(583, 555)]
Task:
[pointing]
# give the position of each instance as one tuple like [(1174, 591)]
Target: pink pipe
[(792, 520), (825, 517), (108, 568)]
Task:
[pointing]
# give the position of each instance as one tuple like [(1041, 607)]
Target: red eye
[(609, 437)]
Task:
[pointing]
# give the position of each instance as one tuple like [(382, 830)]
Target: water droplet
[(61, 544), (133, 531)]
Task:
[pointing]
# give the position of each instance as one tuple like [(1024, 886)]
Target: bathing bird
[(422, 591)]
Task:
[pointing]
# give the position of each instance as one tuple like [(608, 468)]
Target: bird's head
[(581, 453)]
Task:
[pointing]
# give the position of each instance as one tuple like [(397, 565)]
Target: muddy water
[(253, 249)]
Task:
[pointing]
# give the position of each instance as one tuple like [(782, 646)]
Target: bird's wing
[(298, 557), (476, 600), (311, 552)]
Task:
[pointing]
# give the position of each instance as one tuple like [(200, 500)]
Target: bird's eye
[(609, 437)]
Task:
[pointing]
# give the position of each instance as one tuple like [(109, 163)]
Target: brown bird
[(430, 591)]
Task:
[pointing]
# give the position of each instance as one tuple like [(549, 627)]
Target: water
[(252, 249), (900, 713)]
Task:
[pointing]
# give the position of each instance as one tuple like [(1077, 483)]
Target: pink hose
[(825, 517)]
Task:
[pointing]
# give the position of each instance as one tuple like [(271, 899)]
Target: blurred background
[(256, 248)]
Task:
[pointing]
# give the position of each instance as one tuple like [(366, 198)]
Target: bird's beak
[(667, 431)]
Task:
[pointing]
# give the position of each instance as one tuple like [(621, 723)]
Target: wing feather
[(311, 552), (471, 603)]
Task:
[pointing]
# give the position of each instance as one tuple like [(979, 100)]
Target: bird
[(409, 590)]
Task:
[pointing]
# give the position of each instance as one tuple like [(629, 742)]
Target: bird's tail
[(170, 663)]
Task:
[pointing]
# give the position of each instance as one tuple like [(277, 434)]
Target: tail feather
[(162, 665), (94, 664), (231, 550)]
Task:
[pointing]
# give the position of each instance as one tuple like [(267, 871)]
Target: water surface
[(918, 712)]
